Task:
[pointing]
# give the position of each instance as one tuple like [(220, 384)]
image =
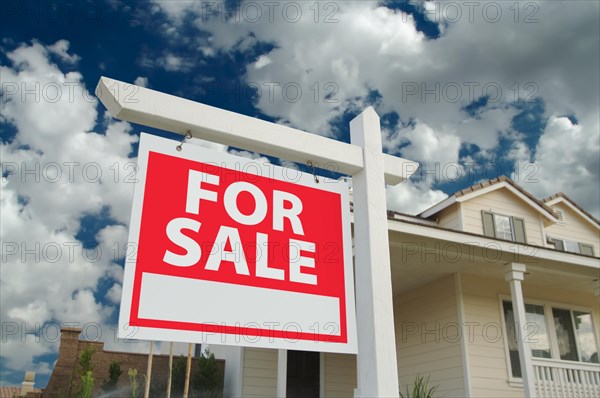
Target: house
[(495, 295)]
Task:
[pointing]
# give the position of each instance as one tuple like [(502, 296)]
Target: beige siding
[(502, 201), (340, 375), (450, 217), (426, 337), (259, 373), (487, 356), (574, 227)]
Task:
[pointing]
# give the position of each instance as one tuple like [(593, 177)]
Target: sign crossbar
[(167, 112)]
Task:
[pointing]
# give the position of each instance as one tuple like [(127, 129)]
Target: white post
[(149, 371), (281, 373), (188, 370), (377, 365), (514, 273), (170, 378)]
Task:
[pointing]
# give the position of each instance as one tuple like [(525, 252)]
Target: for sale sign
[(235, 251)]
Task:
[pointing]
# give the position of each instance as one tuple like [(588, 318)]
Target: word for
[(230, 235)]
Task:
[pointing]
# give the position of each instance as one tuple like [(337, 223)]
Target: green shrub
[(178, 375), (420, 389), (85, 370), (87, 385), (134, 384), (207, 378), (114, 372)]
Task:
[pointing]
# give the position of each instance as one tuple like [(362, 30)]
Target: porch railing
[(566, 379)]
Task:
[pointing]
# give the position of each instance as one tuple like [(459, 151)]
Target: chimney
[(27, 385)]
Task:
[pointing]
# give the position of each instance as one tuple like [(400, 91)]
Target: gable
[(560, 200), (503, 202), (574, 227), (520, 194)]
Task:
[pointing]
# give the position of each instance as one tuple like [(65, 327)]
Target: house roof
[(487, 186), (10, 392), (417, 221), (561, 197)]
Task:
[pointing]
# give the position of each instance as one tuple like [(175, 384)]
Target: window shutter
[(558, 244), (519, 225), (488, 224), (588, 250)]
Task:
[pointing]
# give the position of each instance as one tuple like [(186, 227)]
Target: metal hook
[(187, 136), (316, 177)]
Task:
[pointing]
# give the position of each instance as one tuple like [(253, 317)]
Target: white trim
[(503, 184), (513, 381), (480, 241), (321, 375), (423, 221), (561, 199), (241, 385), (449, 201), (514, 275), (483, 191), (167, 112), (281, 373), (461, 225), (544, 234), (510, 221), (236, 388), (464, 341)]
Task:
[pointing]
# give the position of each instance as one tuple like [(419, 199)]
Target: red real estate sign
[(235, 251)]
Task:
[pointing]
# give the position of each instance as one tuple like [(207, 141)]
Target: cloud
[(56, 170), (61, 49), (168, 61), (171, 62), (412, 198), (425, 144), (566, 159), (325, 65), (114, 293), (141, 81)]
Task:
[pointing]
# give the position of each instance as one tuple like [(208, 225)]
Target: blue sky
[(469, 90)]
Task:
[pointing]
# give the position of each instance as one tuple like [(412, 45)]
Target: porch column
[(281, 373), (514, 273)]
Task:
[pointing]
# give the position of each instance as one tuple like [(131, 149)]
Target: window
[(572, 246), (540, 345), (559, 214), (552, 332), (503, 227)]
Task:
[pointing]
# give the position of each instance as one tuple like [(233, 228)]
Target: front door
[(303, 374)]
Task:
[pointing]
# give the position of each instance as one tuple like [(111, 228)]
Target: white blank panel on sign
[(234, 305)]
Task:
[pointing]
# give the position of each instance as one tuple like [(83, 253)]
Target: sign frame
[(210, 333)]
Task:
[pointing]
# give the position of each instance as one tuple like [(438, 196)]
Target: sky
[(470, 90)]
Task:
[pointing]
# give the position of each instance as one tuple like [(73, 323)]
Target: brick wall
[(64, 380)]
